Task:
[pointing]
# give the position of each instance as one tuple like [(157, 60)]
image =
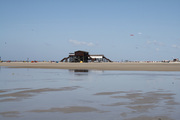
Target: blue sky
[(119, 29)]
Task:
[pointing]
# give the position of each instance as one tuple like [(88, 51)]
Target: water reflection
[(79, 71), (78, 94), (85, 71)]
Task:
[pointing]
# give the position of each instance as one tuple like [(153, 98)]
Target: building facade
[(83, 56)]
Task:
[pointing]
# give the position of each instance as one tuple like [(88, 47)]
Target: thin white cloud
[(175, 46), (154, 42), (139, 33), (157, 49), (76, 42)]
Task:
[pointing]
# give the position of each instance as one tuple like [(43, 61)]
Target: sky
[(134, 30)]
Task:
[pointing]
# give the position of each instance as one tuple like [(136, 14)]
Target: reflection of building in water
[(83, 56), (80, 70), (86, 71)]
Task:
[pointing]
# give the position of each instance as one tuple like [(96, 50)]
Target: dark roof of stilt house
[(81, 53)]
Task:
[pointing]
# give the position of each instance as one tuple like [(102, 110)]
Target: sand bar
[(98, 66)]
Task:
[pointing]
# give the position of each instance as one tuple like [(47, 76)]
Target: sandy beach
[(99, 66)]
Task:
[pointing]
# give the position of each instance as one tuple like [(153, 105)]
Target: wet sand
[(53, 93), (27, 93), (137, 101), (99, 66), (70, 109)]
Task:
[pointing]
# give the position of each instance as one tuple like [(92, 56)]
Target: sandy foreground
[(98, 66)]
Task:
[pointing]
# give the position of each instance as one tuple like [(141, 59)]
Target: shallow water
[(29, 94)]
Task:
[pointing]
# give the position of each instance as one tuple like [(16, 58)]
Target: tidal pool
[(29, 94)]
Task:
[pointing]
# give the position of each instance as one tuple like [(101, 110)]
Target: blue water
[(29, 94)]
